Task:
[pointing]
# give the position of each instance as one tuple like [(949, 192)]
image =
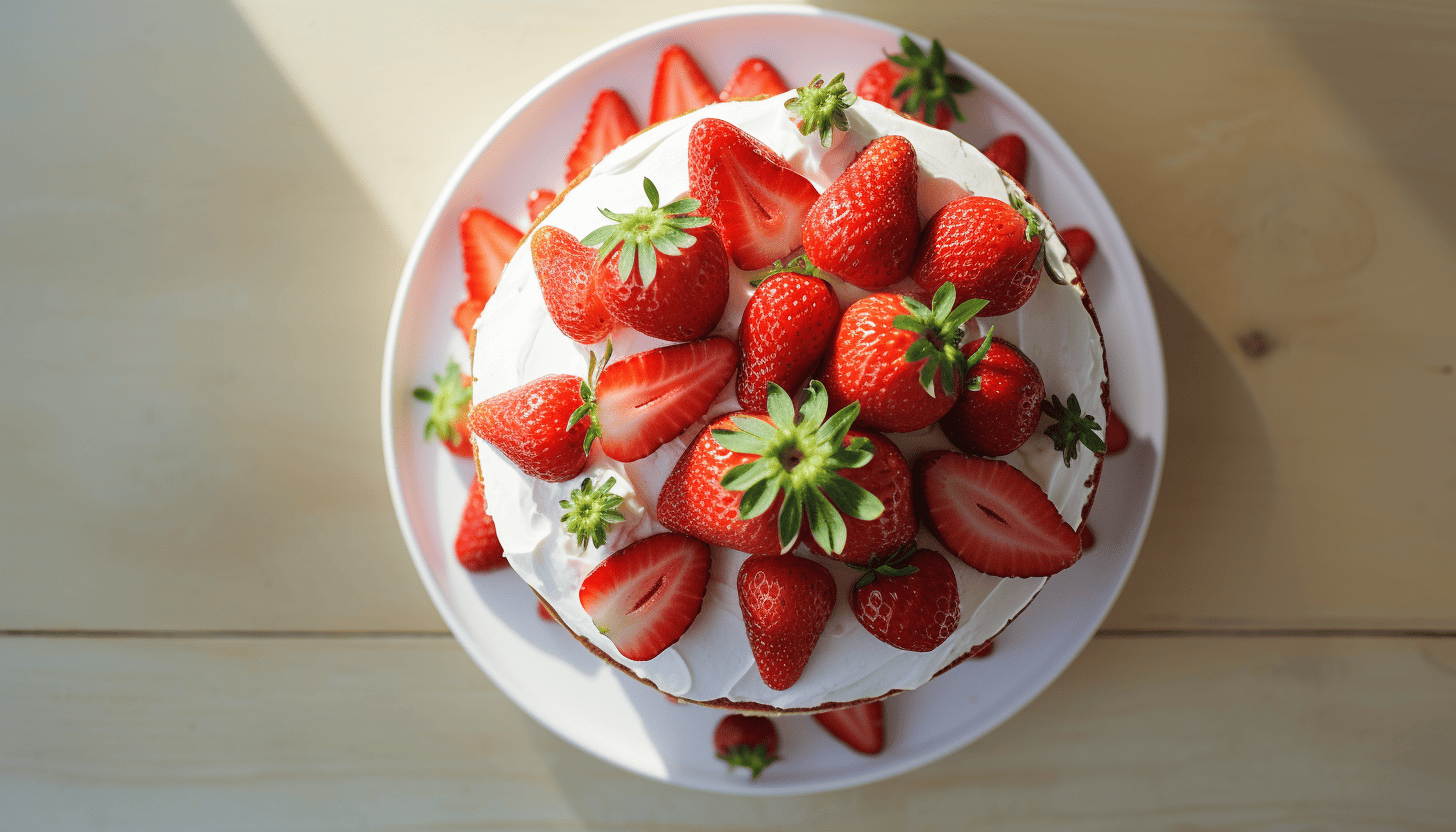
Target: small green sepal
[(449, 402), (590, 511), (639, 237), (819, 107), (941, 327), (588, 408), (895, 563), (1071, 428), (926, 82), (755, 758)]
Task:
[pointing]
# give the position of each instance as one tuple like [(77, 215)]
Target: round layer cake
[(517, 342)]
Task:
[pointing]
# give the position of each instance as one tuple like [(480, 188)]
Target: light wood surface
[(204, 209)]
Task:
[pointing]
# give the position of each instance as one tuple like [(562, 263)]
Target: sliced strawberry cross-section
[(993, 517), (680, 85), (609, 122), (756, 200), (753, 78), (645, 596), (646, 400), (487, 242), (861, 727)]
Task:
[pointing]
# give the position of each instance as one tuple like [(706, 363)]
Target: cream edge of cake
[(517, 342)]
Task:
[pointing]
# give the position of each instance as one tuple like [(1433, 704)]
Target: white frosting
[(517, 342)]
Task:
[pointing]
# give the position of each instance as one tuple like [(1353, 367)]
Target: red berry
[(986, 248), (645, 596), (476, 546), (1008, 152), (864, 228), (646, 400), (1080, 246), (908, 600), (754, 77), (679, 86), (528, 425), (538, 201), (1002, 413), (861, 727), (787, 326), (1117, 435), (786, 601), (465, 316), (564, 268), (609, 122), (751, 742), (487, 243), (916, 83), (449, 409)]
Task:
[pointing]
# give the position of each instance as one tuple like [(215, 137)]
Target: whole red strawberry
[(1001, 409), (609, 122), (786, 601), (986, 248), (756, 200), (536, 427), (449, 408), (908, 600), (900, 359), (861, 727), (916, 83), (487, 242), (750, 742), (750, 482), (564, 269), (753, 78), (787, 326), (1008, 152), (644, 596), (992, 516), (661, 270), (476, 546), (864, 228)]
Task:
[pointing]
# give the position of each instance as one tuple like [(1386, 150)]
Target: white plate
[(544, 670)]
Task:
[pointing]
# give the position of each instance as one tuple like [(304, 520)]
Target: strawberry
[(679, 86), (756, 200), (645, 596), (789, 466), (591, 510), (861, 727), (908, 599), (863, 229), (609, 122), (1080, 246), (984, 649), (787, 325), (748, 741), (564, 269), (449, 406), (992, 516), (915, 83), (476, 546), (536, 426), (1002, 406), (1084, 534), (900, 359), (543, 612), (1117, 436), (646, 400), (987, 248), (669, 279), (1070, 428), (786, 601), (820, 108), (1008, 152), (487, 242), (539, 200), (465, 316), (754, 77)]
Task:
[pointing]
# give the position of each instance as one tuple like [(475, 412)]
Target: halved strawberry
[(753, 78), (609, 122), (466, 314), (476, 546), (487, 242), (1081, 246), (745, 740), (1008, 152), (756, 200), (787, 326), (786, 601), (679, 86), (1085, 534), (916, 83), (564, 269), (535, 427), (861, 727), (992, 516), (908, 599), (449, 406), (1117, 435), (645, 596), (646, 400), (538, 200)]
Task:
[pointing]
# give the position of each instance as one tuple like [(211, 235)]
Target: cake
[(517, 342)]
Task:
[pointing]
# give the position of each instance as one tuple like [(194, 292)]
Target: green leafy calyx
[(800, 455), (819, 107), (588, 409), (926, 81), (895, 563), (755, 758), (1071, 428), (640, 236), (590, 511), (449, 403), (941, 328)]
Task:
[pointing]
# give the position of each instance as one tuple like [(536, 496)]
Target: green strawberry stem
[(590, 511), (891, 564), (755, 758), (1071, 428), (800, 456), (798, 264), (588, 409), (448, 403), (941, 328), (927, 82), (820, 107), (975, 358), (641, 235)]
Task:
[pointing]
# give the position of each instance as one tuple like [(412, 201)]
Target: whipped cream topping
[(517, 342)]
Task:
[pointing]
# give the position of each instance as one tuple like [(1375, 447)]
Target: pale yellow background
[(204, 209)]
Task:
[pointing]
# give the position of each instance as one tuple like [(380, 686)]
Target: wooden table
[(207, 616)]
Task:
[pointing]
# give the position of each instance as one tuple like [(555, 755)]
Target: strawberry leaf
[(590, 511), (819, 107), (639, 237), (1072, 428)]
